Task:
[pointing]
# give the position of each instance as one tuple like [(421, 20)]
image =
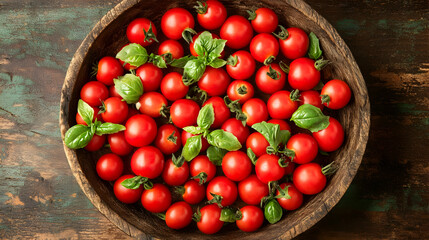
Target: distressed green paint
[(349, 26), (408, 108), (63, 190), (15, 176)]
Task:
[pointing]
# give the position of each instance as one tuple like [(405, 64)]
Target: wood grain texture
[(39, 197)]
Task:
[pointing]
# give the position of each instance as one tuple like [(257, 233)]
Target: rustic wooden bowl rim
[(130, 229)]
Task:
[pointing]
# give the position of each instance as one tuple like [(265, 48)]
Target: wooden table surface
[(388, 199)]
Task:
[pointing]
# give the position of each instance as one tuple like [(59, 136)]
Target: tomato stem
[(325, 99), (330, 169), (321, 63), (179, 190), (160, 215), (285, 68), (294, 95), (242, 90), (232, 61), (216, 199), (197, 215), (283, 193), (235, 107), (172, 138), (274, 74), (252, 14), (164, 111), (202, 177), (178, 162), (269, 60), (149, 35), (187, 34), (283, 34), (201, 8)]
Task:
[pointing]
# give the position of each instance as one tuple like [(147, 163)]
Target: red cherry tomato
[(184, 112), (265, 21), (140, 130), (109, 167), (175, 21), (168, 139), (118, 144), (124, 194), (236, 165), (303, 75), (186, 135), (136, 31), (255, 110), (281, 106), (236, 127), (147, 162), (132, 112), (193, 193), (252, 190), (214, 81), (264, 46), (336, 94), (192, 49), (152, 103), (311, 97), (241, 65), (108, 69), (224, 187), (96, 143), (178, 215), (150, 75), (283, 124), (172, 86), (273, 82), (79, 119), (304, 146), (295, 200), (94, 93), (240, 90), (116, 110), (309, 179), (175, 176), (209, 222), (290, 166), (295, 45), (238, 32), (330, 138), (257, 143), (113, 92), (201, 164), (221, 111), (213, 16), (252, 219), (156, 199), (171, 46), (268, 169)]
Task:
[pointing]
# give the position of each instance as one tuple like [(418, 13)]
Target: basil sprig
[(314, 51), (273, 135), (216, 155), (129, 87), (310, 117), (136, 55)]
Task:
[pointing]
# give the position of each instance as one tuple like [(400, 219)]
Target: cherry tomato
[(283, 124), (140, 130), (192, 49), (255, 110), (336, 94), (290, 166), (240, 90), (79, 119), (330, 138), (184, 112), (201, 164), (221, 111), (236, 165), (224, 187), (304, 146), (209, 222), (257, 143), (238, 32), (96, 143), (236, 127), (118, 144), (150, 75), (173, 175), (172, 86), (281, 106), (127, 66), (295, 200), (264, 46), (214, 81), (132, 112), (270, 79), (252, 219), (136, 31), (303, 75), (147, 162), (241, 65), (295, 45), (252, 190), (116, 110), (168, 139), (152, 103), (109, 167), (193, 193), (212, 15), (186, 135), (113, 92), (178, 215), (156, 199), (124, 194), (171, 46), (94, 93), (268, 169), (108, 69), (175, 21), (265, 21), (309, 179), (311, 97)]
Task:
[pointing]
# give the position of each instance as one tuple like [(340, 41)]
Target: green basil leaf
[(85, 111), (252, 156), (203, 45), (157, 60), (314, 51), (192, 147), (194, 130), (130, 88), (134, 183), (217, 63), (217, 47), (78, 136), (206, 117), (109, 128), (310, 117), (225, 140), (134, 54), (273, 211), (272, 133), (227, 215), (216, 155), (181, 62), (193, 71)]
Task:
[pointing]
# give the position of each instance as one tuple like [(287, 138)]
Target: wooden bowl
[(108, 36)]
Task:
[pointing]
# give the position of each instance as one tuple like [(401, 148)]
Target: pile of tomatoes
[(191, 135)]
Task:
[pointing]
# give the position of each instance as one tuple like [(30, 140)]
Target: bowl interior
[(109, 36)]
